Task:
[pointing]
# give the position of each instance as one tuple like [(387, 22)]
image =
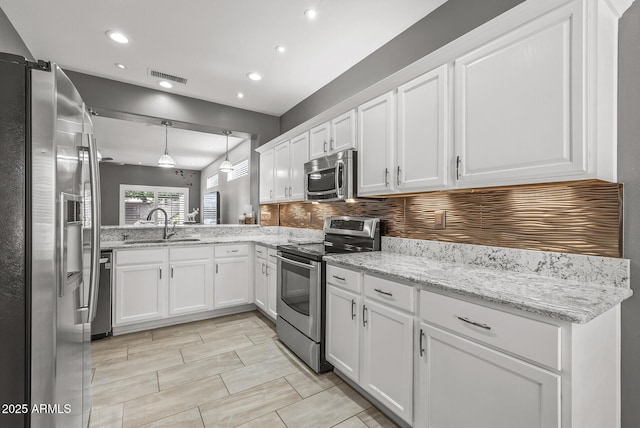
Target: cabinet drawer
[(344, 278), (271, 255), (392, 293), (199, 252), (137, 256), (261, 252), (535, 340), (231, 250)]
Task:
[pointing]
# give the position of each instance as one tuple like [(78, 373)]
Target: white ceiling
[(138, 143), (215, 43)]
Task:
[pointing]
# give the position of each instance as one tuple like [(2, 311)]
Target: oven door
[(299, 294)]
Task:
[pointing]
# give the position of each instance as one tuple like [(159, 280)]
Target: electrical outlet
[(439, 219)]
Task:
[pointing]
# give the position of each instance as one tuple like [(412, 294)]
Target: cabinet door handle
[(458, 167), (325, 146), (364, 318), (289, 191), (331, 144), (421, 345), (266, 270), (263, 271), (216, 267), (160, 273), (171, 271), (386, 177), (339, 278), (398, 176), (386, 293), (285, 190), (353, 309), (474, 323)]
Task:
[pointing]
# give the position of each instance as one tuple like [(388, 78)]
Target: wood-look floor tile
[(256, 374), (180, 329), (106, 417), (121, 341), (123, 390), (257, 353), (157, 406), (261, 336), (352, 422), (235, 318), (248, 405), (163, 344), (324, 409), (215, 347), (272, 420), (244, 326), (135, 367), (108, 356), (187, 419), (308, 383), (189, 372), (373, 418)]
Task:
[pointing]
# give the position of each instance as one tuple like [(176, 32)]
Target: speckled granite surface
[(563, 299)]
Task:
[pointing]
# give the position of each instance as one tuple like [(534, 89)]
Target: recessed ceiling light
[(254, 76), (117, 36), (310, 13), (281, 49), (122, 66), (240, 95), (139, 163), (165, 84)]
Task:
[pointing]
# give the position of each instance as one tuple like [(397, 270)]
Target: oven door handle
[(293, 262)]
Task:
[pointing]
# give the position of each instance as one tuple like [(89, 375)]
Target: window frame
[(155, 190)]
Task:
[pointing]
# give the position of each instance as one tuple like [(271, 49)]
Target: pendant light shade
[(226, 166), (166, 161)]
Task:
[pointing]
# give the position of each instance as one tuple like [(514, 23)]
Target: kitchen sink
[(160, 241)]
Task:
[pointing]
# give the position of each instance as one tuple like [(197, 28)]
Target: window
[(212, 181), (239, 170), (137, 201), (211, 211)]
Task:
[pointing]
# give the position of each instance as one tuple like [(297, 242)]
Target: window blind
[(239, 170)]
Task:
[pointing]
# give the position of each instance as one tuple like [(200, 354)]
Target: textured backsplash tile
[(576, 217)]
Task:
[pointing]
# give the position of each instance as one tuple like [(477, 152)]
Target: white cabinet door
[(190, 286), (281, 187), (231, 282), (387, 355), (519, 111), (464, 384), (272, 290), (375, 146), (319, 140), (343, 132), (343, 331), (140, 293), (298, 156), (267, 176), (423, 128), (260, 274)]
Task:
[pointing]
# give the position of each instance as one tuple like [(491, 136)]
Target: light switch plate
[(439, 219)]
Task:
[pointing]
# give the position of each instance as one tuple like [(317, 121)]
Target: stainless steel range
[(301, 284)]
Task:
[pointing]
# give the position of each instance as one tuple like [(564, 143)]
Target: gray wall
[(447, 23), (629, 174), (113, 175), (10, 40)]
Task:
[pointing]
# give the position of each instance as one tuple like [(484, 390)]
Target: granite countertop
[(268, 241), (566, 300)]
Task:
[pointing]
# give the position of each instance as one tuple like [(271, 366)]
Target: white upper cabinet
[(298, 156), (281, 191), (375, 146), (519, 104), (333, 136), (267, 176), (422, 150)]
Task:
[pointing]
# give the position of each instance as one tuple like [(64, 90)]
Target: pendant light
[(166, 161), (226, 166)]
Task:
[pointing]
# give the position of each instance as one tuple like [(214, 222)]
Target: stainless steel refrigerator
[(49, 229)]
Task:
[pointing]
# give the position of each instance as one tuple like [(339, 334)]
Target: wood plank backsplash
[(582, 217)]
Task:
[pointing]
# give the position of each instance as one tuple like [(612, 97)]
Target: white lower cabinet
[(272, 284), (233, 284), (140, 292), (465, 384), (260, 275), (343, 331), (266, 280), (191, 282)]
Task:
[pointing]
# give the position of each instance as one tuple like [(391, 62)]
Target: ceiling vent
[(166, 76)]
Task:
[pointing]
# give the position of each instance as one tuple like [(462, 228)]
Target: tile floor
[(224, 372)]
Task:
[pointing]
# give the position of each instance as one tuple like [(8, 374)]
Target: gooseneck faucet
[(167, 235)]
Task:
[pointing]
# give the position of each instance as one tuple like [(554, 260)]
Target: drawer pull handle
[(364, 318), (232, 251), (339, 278), (477, 324), (386, 293), (353, 307), (421, 339)]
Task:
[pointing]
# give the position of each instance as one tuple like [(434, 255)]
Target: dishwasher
[(101, 325)]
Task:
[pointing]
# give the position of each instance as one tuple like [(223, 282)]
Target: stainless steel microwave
[(331, 178)]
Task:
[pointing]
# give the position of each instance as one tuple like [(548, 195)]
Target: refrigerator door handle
[(95, 228)]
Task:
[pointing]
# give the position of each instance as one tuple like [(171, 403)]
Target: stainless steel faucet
[(167, 234)]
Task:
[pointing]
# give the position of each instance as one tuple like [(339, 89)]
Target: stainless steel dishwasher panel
[(101, 325)]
